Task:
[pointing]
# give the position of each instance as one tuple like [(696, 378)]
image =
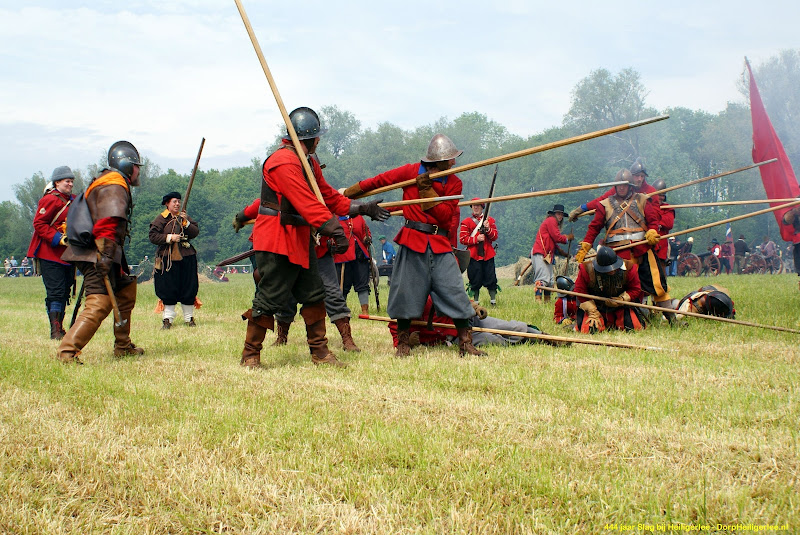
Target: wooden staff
[(530, 194), (522, 335), (671, 310), (693, 182), (392, 204), (724, 203), (289, 127), (795, 202), (191, 180), (518, 154), (521, 273)]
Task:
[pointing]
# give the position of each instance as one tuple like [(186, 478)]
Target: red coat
[(652, 219), (283, 173), (445, 214), (467, 226), (356, 230), (251, 212), (570, 303), (46, 232), (632, 284), (664, 227), (548, 236)]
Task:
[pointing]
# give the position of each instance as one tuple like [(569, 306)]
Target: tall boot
[(55, 325), (403, 344), (343, 324), (314, 316), (61, 330), (95, 310), (546, 296), (254, 338), (283, 333), (465, 346), (365, 309), (126, 300)]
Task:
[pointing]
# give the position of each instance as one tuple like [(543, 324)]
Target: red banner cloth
[(778, 178)]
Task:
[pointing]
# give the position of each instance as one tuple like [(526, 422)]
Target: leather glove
[(353, 191), (426, 191), (368, 240), (333, 229), (593, 318), (371, 209), (581, 254), (570, 237), (63, 241), (239, 220), (652, 236), (106, 251), (567, 322), (573, 215), (624, 296), (481, 312)]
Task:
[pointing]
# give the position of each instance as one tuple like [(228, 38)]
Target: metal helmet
[(659, 184), (305, 122), (638, 167), (564, 283), (606, 260), (719, 304), (440, 149), (122, 156), (625, 175)]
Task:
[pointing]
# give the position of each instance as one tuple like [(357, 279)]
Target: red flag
[(778, 178)]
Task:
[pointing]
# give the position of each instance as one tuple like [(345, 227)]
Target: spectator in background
[(13, 266), (740, 249), (388, 252), (7, 267)]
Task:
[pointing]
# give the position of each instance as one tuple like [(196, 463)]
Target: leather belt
[(426, 228), (286, 219)]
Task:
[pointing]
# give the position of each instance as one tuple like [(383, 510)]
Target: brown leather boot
[(166, 324), (343, 324), (465, 346), (95, 310), (283, 333), (403, 348), (413, 339), (314, 316), (254, 338), (61, 330), (126, 299), (365, 310), (55, 325)]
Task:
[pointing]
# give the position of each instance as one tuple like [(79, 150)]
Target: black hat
[(556, 208), (714, 240), (169, 196)]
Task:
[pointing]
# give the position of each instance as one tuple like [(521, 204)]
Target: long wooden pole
[(662, 309), (522, 335), (795, 202), (697, 181), (724, 203), (289, 128), (519, 154), (392, 204), (530, 194), (191, 180)]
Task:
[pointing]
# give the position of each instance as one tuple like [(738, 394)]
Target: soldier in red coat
[(355, 261), (285, 248), (425, 263), (478, 234), (49, 243), (545, 247), (566, 307)]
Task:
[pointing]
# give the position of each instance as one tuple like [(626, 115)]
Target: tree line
[(691, 144)]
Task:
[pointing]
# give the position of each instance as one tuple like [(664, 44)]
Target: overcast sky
[(75, 76)]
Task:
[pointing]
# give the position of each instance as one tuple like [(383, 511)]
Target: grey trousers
[(335, 304)]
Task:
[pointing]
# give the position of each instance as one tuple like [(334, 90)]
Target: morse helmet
[(305, 122), (440, 149), (638, 167), (122, 156), (564, 283), (606, 260)]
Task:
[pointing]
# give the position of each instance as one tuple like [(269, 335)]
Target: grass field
[(530, 439)]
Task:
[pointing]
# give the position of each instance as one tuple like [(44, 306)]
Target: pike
[(543, 193), (795, 202), (519, 154), (289, 127), (482, 223), (672, 310), (697, 181), (725, 203), (191, 180), (236, 258), (521, 335)]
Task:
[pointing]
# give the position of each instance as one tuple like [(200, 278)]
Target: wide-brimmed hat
[(556, 208), (169, 196)]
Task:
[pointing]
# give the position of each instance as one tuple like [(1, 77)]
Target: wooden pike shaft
[(662, 309), (519, 154), (699, 180), (724, 203), (631, 245), (522, 335), (542, 193), (392, 204), (194, 172), (292, 134)]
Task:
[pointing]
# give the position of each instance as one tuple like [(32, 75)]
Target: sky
[(76, 76)]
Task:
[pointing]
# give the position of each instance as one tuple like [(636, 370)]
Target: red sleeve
[(582, 283), (335, 201), (393, 176), (633, 286), (251, 211), (467, 226), (107, 227), (594, 203), (41, 222), (652, 215), (295, 188), (667, 220), (597, 225), (555, 232), (492, 226)]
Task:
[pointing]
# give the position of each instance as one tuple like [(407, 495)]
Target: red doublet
[(251, 212), (665, 225), (283, 173), (356, 230), (465, 237), (44, 234), (568, 303), (632, 285), (652, 219), (548, 236), (445, 214)]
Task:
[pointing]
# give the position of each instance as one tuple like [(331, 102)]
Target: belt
[(285, 219), (426, 228)]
